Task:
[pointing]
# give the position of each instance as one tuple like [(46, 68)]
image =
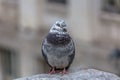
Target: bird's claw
[(63, 72), (52, 71)]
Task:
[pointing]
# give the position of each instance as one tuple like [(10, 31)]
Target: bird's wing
[(71, 56), (44, 55)]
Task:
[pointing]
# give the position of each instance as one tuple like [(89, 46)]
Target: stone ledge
[(90, 74)]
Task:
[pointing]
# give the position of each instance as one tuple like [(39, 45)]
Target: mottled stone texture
[(90, 74)]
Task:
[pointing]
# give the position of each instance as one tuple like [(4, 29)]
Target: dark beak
[(64, 29)]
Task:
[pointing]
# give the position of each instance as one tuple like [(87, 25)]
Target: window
[(58, 1), (111, 6), (8, 62)]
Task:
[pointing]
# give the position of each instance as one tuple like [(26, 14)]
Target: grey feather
[(58, 47)]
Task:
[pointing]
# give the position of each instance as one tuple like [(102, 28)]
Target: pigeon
[(58, 48)]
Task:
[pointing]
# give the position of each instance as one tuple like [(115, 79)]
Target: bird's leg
[(52, 71), (64, 71)]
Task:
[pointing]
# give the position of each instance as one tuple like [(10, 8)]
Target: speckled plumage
[(58, 47), (57, 39)]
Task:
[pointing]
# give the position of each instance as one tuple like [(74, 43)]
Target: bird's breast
[(58, 39), (58, 62), (58, 51)]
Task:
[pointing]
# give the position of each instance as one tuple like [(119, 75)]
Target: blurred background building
[(93, 24)]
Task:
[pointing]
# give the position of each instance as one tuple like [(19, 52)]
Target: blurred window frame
[(9, 61), (112, 6), (64, 2)]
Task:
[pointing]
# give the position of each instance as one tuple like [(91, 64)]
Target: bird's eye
[(65, 30), (58, 24)]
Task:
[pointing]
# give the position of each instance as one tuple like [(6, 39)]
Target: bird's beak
[(64, 29)]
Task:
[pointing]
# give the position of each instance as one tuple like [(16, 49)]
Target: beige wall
[(80, 19), (0, 8), (1, 75), (29, 63), (86, 23), (28, 13)]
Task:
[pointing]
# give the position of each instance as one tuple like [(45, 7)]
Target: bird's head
[(59, 27)]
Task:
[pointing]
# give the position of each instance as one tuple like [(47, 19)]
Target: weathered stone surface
[(90, 74)]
